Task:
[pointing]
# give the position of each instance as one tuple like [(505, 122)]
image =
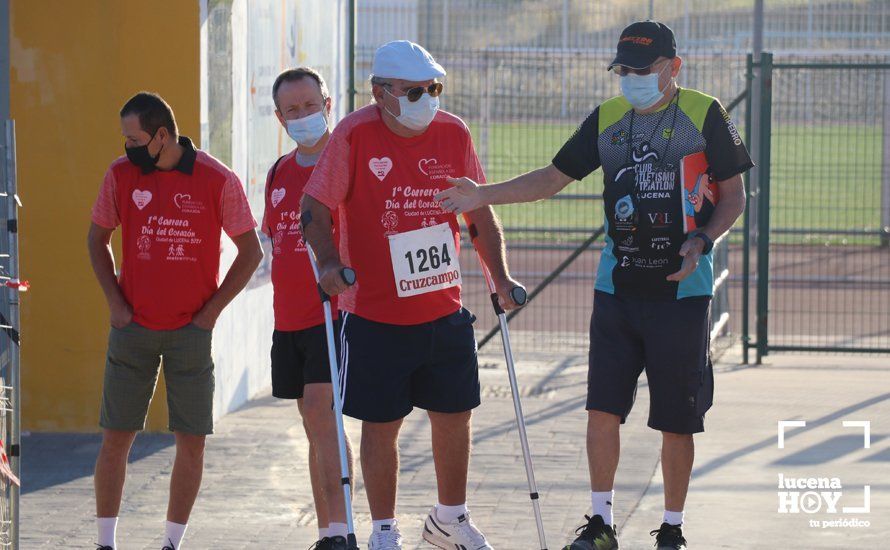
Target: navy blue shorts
[(300, 357), (387, 370), (670, 340)]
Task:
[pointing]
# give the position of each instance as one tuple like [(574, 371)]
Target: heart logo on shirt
[(423, 163), (141, 198), (178, 197), (380, 167), (278, 195)]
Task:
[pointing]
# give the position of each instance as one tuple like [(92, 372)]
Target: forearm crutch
[(348, 276), (519, 295)]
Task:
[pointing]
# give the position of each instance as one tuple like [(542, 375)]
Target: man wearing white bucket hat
[(406, 340)]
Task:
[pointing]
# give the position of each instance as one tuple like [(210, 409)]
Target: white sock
[(384, 525), (337, 530), (673, 518), (449, 514), (107, 531), (173, 534), (322, 533), (602, 505)]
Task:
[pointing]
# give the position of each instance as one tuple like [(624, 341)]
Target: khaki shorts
[(131, 373)]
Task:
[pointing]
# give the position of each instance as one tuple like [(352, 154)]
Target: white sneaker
[(387, 539), (459, 535)]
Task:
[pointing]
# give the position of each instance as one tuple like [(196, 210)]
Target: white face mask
[(308, 130), (642, 91), (416, 115)]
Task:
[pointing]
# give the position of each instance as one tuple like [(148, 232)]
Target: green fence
[(818, 225)]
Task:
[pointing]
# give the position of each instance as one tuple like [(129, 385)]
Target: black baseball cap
[(643, 42)]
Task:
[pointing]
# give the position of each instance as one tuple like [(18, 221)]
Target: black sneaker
[(321, 544), (596, 535), (169, 546), (104, 547), (331, 543), (669, 537)]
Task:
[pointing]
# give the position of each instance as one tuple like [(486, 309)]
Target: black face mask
[(140, 156)]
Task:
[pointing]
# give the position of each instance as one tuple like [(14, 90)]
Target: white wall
[(268, 36)]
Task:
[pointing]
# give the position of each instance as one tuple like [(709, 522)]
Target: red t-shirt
[(171, 224), (296, 302), (384, 185)]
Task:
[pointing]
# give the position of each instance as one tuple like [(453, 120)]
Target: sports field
[(824, 177), (825, 194)]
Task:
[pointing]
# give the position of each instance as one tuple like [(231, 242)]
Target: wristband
[(709, 244)]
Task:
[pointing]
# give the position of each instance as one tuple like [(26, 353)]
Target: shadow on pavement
[(827, 450), (722, 461), (50, 459)]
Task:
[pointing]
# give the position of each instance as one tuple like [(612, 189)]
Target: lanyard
[(635, 194)]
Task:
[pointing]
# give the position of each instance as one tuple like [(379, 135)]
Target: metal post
[(746, 236), (757, 38), (446, 21), (564, 60), (351, 54), (13, 443), (885, 166), (4, 60), (756, 51), (808, 81), (763, 237), (687, 9), (485, 114)]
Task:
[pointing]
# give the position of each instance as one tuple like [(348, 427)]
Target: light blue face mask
[(416, 115), (642, 91), (308, 130)]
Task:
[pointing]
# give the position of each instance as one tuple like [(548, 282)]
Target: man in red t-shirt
[(172, 202), (300, 367), (407, 342)]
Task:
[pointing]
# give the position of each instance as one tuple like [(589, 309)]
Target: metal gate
[(817, 235)]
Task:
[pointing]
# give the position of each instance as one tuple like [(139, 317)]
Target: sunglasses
[(624, 71), (434, 89)]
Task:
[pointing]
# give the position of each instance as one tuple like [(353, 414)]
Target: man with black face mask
[(655, 278), (172, 202)]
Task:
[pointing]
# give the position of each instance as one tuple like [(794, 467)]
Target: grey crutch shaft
[(519, 295), (348, 276)]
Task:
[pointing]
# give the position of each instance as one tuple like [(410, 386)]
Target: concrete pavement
[(256, 492)]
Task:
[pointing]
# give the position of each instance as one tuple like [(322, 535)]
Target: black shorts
[(300, 357), (671, 340), (387, 370)]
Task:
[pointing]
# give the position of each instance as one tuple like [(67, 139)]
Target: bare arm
[(102, 259), (316, 222), (467, 195), (728, 209), (488, 238), (250, 253)]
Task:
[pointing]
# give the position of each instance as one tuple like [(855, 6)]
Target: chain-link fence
[(524, 73)]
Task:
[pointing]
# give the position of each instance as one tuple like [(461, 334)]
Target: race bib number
[(424, 260)]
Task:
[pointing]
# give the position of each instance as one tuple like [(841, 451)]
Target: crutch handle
[(519, 295), (348, 275)]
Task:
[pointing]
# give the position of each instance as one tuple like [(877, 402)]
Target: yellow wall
[(73, 65)]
